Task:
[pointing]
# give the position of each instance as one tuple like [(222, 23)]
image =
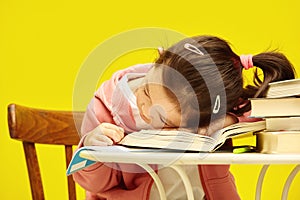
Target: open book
[(180, 140), (148, 141)]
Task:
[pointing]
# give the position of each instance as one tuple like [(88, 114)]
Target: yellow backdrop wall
[(44, 43)]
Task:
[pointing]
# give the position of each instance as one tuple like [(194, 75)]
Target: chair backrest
[(31, 125)]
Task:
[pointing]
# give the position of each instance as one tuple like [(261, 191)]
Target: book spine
[(283, 123), (278, 107)]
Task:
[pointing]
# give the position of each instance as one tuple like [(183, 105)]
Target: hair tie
[(246, 61)]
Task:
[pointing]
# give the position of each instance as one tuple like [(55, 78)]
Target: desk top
[(150, 156)]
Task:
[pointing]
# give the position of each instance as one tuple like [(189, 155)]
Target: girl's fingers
[(113, 127), (93, 139), (100, 139), (114, 132), (103, 135)]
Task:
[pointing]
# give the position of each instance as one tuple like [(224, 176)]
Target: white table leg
[(156, 179), (186, 181), (260, 181), (289, 181)]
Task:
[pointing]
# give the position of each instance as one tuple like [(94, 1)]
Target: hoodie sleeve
[(100, 176)]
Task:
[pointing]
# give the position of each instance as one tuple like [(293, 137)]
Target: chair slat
[(43, 126)]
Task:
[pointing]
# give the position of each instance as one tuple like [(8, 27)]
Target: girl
[(197, 85)]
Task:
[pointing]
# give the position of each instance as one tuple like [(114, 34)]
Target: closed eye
[(165, 121)]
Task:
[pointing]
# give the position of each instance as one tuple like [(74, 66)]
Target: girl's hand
[(103, 135)]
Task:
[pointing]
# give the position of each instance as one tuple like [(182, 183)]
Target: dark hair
[(217, 71)]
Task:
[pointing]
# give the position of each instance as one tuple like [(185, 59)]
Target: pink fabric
[(108, 181), (246, 61), (245, 118), (218, 182)]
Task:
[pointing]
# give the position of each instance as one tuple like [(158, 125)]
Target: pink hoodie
[(113, 181)]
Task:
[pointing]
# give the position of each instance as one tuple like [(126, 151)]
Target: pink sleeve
[(218, 182), (100, 176), (90, 120), (104, 177)]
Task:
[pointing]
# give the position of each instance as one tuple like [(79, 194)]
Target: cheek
[(139, 99), (156, 112), (143, 105)]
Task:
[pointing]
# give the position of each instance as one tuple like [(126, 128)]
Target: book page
[(169, 139), (238, 129)]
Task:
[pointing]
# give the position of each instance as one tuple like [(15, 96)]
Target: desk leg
[(289, 181), (260, 182), (186, 181), (156, 179)]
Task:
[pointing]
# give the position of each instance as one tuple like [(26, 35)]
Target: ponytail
[(275, 67)]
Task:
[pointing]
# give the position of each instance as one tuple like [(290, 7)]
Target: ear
[(230, 119), (218, 124), (202, 131), (160, 50)]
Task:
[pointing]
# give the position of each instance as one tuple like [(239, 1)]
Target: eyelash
[(163, 120)]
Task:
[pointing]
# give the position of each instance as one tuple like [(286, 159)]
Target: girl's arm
[(98, 130), (103, 135)]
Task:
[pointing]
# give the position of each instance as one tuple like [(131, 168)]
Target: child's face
[(155, 103)]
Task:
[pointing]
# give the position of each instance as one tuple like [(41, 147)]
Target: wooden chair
[(31, 125)]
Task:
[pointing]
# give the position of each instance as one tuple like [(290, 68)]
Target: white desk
[(175, 159)]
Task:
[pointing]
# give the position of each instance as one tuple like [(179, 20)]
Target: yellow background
[(44, 43)]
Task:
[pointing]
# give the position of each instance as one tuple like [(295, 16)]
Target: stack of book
[(281, 111)]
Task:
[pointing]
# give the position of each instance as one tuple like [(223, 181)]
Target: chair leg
[(33, 171), (71, 183)]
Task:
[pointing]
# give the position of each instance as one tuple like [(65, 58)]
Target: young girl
[(196, 84)]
